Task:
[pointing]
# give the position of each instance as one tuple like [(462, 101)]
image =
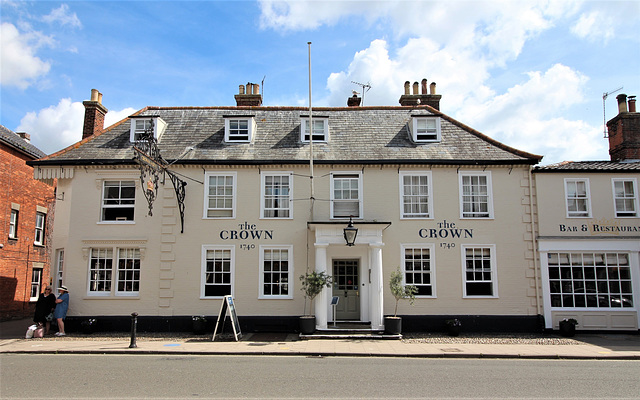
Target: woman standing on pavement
[(45, 305), (60, 313)]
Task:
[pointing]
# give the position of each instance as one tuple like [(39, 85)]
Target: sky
[(530, 74)]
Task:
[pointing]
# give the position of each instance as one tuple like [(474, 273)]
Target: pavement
[(602, 345)]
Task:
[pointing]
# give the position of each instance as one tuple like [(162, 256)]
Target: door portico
[(329, 245)]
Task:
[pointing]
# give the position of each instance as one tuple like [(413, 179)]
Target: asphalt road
[(199, 377)]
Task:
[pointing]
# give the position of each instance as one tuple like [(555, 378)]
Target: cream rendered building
[(450, 207), (589, 233)]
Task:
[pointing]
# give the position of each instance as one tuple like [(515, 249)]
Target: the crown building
[(247, 198)]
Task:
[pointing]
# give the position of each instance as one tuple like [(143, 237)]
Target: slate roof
[(362, 135), (11, 139), (591, 166)]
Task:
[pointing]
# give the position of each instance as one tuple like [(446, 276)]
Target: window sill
[(116, 222), (480, 297), (110, 297), (263, 297)]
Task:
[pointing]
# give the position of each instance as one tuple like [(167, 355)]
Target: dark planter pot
[(199, 327), (307, 325), (567, 329), (393, 325), (88, 326), (454, 330)]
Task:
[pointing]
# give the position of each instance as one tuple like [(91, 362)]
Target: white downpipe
[(310, 126)]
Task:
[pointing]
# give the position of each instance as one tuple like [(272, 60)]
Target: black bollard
[(134, 327)]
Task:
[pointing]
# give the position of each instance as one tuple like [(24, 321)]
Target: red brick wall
[(624, 137), (17, 256)]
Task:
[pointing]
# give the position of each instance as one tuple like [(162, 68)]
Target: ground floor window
[(419, 269), (217, 271), (36, 283), (59, 267), (126, 276), (276, 269), (592, 279), (479, 271)]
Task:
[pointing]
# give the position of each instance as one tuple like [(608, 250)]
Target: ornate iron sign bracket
[(153, 169)]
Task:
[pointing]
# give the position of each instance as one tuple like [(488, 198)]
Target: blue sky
[(530, 74)]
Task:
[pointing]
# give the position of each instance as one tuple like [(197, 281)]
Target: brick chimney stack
[(427, 97), (354, 101), (94, 113), (624, 131), (251, 98)]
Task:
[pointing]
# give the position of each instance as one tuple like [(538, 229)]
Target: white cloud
[(594, 26), (56, 127), (62, 16), (20, 66)]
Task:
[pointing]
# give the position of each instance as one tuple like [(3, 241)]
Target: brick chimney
[(251, 98), (25, 136), (94, 113), (429, 98), (624, 131), (354, 101)]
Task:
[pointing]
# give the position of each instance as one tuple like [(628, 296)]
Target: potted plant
[(89, 325), (393, 325), (454, 326), (312, 285), (199, 324), (568, 327)]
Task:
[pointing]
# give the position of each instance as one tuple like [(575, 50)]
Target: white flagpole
[(310, 126)]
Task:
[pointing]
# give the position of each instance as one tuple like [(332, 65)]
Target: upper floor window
[(239, 129), (320, 129), (13, 224), (118, 200), (425, 129), (419, 269), (38, 238), (479, 271), (625, 197), (277, 195), (476, 195), (416, 195), (346, 195), (577, 197), (141, 126), (276, 272), (220, 195), (217, 271)]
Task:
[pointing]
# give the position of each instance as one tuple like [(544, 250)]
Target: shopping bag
[(39, 332), (30, 331)]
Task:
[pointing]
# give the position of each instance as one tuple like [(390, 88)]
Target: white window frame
[(633, 197), (493, 271), (432, 266), (203, 273), (128, 258), (586, 198), (424, 135), (345, 175), (410, 196), (234, 196), (13, 224), (59, 268), (104, 206), (231, 137), (40, 226), (290, 272), (320, 135), (470, 214), (140, 124), (109, 258), (263, 196), (36, 283)]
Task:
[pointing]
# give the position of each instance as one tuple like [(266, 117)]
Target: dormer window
[(425, 129), (239, 128), (320, 129), (140, 125)]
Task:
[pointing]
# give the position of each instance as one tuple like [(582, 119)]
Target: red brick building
[(26, 213)]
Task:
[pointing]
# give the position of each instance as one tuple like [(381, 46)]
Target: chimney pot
[(94, 94), (622, 103), (415, 88), (632, 104), (424, 86), (407, 88), (241, 89), (432, 88)]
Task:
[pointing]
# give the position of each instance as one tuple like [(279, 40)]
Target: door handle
[(346, 294)]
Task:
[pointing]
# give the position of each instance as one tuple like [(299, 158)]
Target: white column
[(377, 280), (322, 300)]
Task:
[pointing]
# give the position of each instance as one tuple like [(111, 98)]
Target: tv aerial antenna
[(364, 86), (604, 113)]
